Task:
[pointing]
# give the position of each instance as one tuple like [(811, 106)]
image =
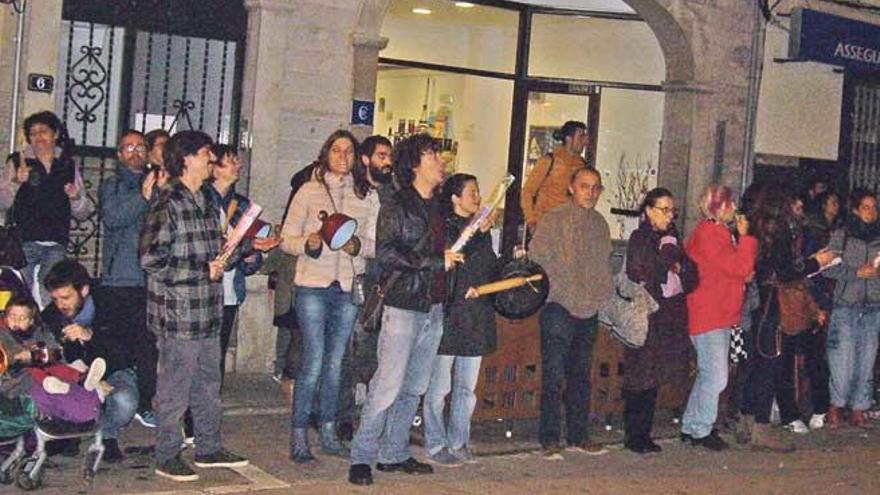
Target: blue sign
[(362, 112), (834, 40)]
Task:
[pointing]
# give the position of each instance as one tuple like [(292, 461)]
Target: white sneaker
[(95, 374), (79, 365), (53, 385), (797, 426), (817, 421)]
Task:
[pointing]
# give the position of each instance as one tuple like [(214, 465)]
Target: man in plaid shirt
[(178, 250)]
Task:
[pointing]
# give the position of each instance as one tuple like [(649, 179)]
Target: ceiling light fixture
[(464, 5), (421, 10)]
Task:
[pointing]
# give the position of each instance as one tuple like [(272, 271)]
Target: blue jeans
[(121, 404), (566, 348), (713, 349), (326, 320), (852, 348), (408, 344), (462, 384), (45, 257)]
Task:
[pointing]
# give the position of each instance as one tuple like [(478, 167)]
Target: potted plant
[(633, 181)]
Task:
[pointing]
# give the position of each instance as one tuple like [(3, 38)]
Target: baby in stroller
[(67, 396)]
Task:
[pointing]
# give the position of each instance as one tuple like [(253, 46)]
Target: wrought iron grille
[(865, 135), (117, 78)]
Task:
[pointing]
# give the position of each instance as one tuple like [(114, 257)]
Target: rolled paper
[(238, 233), (507, 284), (483, 214)]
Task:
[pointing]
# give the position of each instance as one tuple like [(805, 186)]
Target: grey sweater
[(573, 245)]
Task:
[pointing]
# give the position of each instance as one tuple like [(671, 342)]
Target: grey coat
[(851, 290)]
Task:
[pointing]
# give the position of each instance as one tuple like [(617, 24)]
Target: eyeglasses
[(666, 210), (135, 148)]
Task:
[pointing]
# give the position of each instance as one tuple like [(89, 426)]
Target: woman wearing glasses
[(656, 258)]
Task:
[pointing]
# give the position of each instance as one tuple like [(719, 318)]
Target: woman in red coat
[(723, 263)]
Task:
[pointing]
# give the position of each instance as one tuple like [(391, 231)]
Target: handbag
[(370, 317), (798, 310), (628, 310)]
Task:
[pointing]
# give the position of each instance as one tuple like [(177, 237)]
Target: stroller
[(17, 419)]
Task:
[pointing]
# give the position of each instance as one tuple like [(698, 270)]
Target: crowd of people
[(148, 339)]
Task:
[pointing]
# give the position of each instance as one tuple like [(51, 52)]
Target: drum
[(524, 301)]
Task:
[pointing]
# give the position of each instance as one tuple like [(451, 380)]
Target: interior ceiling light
[(464, 5), (421, 10)]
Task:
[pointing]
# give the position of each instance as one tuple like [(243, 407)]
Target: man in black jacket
[(78, 322), (410, 247)]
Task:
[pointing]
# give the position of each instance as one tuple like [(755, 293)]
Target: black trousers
[(126, 308), (812, 347), (229, 313)]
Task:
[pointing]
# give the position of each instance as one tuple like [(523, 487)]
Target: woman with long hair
[(769, 210), (855, 319), (469, 331), (324, 281), (655, 258), (724, 262)]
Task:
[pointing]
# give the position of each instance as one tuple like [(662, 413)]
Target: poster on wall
[(540, 143)]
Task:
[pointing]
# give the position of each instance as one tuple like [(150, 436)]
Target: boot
[(330, 443), (649, 405), (744, 426), (299, 446), (765, 438), (857, 418)]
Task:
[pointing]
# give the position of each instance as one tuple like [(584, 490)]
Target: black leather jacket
[(403, 222)]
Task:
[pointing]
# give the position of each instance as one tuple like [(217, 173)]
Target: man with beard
[(81, 325), (125, 199)]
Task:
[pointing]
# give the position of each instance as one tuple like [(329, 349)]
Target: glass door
[(546, 112)]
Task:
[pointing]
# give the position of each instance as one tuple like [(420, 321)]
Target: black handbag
[(370, 317)]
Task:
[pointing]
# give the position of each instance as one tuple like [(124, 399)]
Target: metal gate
[(117, 72), (865, 136)]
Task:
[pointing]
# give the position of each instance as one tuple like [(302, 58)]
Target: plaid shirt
[(180, 236)]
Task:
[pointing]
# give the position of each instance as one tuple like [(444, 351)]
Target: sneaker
[(587, 447), (79, 365), (817, 421), (54, 385), (112, 454), (220, 459), (712, 441), (465, 455), (95, 374), (176, 470), (552, 453), (409, 466), (444, 457), (797, 426), (147, 418)]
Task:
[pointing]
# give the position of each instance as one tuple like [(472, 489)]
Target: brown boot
[(765, 438), (832, 420), (857, 418), (743, 433)]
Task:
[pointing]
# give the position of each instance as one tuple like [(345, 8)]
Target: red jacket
[(723, 268)]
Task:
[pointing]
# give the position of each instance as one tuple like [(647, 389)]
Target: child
[(70, 392)]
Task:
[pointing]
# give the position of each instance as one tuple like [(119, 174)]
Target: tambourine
[(523, 301)]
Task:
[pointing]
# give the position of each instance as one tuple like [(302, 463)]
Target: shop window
[(596, 49), (470, 114), (477, 37)]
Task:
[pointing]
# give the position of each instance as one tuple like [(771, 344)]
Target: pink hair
[(713, 199)]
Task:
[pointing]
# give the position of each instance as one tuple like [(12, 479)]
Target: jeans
[(702, 406), (45, 257), (462, 384), (326, 320), (852, 348), (121, 404), (189, 376), (408, 342), (566, 348)]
